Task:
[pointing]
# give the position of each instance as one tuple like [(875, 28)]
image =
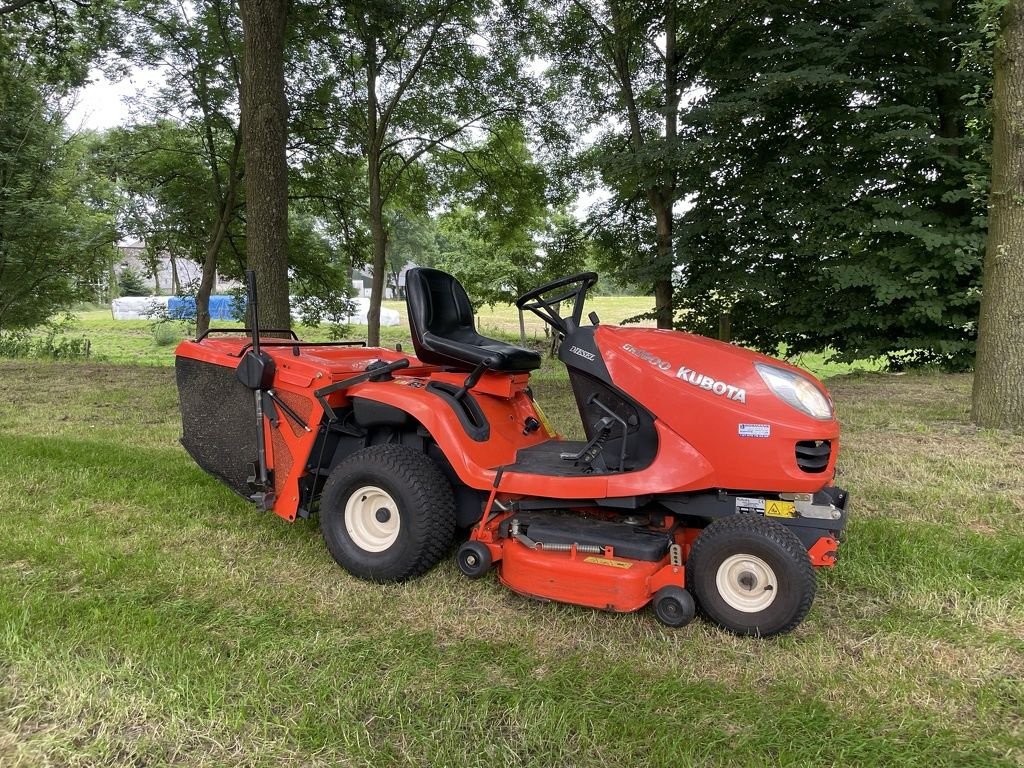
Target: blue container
[(184, 307)]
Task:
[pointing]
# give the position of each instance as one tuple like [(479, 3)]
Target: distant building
[(133, 255), (363, 279)]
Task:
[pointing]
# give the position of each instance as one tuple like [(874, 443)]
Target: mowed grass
[(148, 616)]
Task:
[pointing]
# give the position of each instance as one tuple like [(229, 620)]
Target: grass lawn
[(150, 617)]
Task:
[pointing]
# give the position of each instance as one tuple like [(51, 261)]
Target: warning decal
[(606, 561), (774, 508)]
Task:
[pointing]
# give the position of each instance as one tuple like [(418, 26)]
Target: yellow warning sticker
[(606, 561), (779, 508), (543, 418)]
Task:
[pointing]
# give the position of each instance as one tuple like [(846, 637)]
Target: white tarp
[(138, 307), (146, 307), (360, 307)]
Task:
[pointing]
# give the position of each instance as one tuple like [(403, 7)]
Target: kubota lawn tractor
[(705, 479)]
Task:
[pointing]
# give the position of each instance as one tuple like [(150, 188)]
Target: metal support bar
[(625, 429), (321, 394), (288, 410)]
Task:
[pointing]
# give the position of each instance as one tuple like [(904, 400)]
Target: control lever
[(474, 377), (593, 449)]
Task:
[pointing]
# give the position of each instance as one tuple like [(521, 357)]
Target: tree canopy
[(795, 175), (56, 231), (839, 158)]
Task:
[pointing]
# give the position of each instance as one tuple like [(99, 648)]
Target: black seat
[(443, 331)]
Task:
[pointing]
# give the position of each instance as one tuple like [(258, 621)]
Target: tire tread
[(784, 538), (435, 503)]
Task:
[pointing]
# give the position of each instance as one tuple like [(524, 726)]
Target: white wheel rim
[(372, 519), (747, 583)]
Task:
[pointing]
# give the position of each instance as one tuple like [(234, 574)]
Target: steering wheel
[(545, 307)]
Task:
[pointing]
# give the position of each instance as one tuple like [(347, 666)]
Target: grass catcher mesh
[(218, 420)]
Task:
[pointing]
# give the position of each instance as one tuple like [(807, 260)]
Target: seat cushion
[(474, 349), (443, 328)]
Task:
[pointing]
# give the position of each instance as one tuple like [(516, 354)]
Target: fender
[(474, 462), (679, 465)]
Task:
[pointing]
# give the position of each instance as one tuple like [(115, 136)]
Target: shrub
[(129, 283), (53, 344), (60, 347), (15, 344), (165, 334)]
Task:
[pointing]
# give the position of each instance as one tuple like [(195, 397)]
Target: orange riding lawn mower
[(704, 482)]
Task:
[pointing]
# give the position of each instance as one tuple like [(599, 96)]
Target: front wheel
[(751, 576), (387, 513), (474, 559), (673, 606)]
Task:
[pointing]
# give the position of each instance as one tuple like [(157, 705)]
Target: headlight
[(795, 390)]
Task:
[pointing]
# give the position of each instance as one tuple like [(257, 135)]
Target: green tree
[(838, 164), (193, 126), (320, 280), (330, 185), (491, 237), (412, 239), (412, 79), (166, 192), (621, 68), (129, 283), (60, 38), (566, 245), (998, 398), (56, 231)]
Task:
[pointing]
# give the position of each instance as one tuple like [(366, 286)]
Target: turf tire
[(424, 508), (777, 553)]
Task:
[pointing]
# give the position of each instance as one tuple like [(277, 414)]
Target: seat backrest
[(439, 305)]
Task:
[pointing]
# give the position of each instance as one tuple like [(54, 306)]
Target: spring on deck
[(592, 549)]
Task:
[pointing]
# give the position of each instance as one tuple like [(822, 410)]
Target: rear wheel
[(751, 576), (387, 513)]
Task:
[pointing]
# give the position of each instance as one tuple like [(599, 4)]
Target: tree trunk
[(380, 244), (663, 284), (380, 235), (175, 279), (208, 282), (725, 327), (264, 120), (998, 397), (112, 279), (663, 193), (156, 278)]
